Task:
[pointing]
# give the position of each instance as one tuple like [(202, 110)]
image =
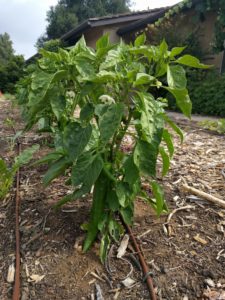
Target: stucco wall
[(189, 22), (205, 27), (93, 34)]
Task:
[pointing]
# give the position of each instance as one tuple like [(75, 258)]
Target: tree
[(6, 49), (11, 65), (67, 14)]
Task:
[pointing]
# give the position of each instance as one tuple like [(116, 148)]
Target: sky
[(25, 20)]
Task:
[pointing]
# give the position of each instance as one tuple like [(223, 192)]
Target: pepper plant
[(90, 100)]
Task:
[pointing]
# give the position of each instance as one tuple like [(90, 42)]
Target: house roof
[(136, 21), (110, 20), (140, 24)]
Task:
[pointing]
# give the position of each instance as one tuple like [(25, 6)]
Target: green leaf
[(6, 179), (140, 40), (130, 171), (145, 157), (182, 99), (152, 121), (57, 168), (100, 109), (143, 78), (58, 105), (176, 77), (87, 112), (99, 197), (159, 197), (103, 42), (26, 156), (53, 156), (84, 67), (128, 214), (191, 61), (76, 138), (110, 120), (174, 127), (115, 229), (124, 194), (104, 246), (71, 197), (87, 170), (112, 200), (163, 47), (176, 51), (169, 142), (165, 161), (113, 58)]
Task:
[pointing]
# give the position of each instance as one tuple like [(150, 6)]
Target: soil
[(186, 257)]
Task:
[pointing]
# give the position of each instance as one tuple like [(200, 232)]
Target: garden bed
[(186, 258)]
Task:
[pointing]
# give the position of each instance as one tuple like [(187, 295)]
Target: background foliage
[(206, 88), (11, 65), (201, 8), (67, 14)]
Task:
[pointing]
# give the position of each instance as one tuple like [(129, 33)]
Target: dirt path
[(187, 263)]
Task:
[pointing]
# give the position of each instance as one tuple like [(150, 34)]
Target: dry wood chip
[(128, 282), (200, 240), (36, 278), (99, 295), (123, 246), (214, 295), (11, 273), (209, 282)]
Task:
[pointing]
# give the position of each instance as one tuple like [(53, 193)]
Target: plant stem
[(118, 143)]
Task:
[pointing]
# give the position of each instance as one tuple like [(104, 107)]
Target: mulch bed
[(186, 256)]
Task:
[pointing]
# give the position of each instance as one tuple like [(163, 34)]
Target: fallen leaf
[(36, 278), (11, 274), (123, 246), (128, 282)]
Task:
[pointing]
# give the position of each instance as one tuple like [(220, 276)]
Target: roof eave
[(140, 24)]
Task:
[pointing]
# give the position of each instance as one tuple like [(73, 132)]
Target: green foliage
[(217, 125), (207, 90), (6, 49), (67, 14), (52, 45), (11, 66), (173, 30), (201, 8), (90, 99), (7, 174)]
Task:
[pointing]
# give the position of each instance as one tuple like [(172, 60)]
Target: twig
[(45, 220), (34, 238), (131, 268), (176, 210), (144, 233), (97, 277), (204, 195)]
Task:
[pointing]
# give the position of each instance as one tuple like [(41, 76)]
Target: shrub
[(114, 89), (207, 92)]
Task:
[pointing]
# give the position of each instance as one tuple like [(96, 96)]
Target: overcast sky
[(24, 20)]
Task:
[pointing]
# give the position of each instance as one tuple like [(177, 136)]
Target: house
[(117, 26), (128, 25)]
